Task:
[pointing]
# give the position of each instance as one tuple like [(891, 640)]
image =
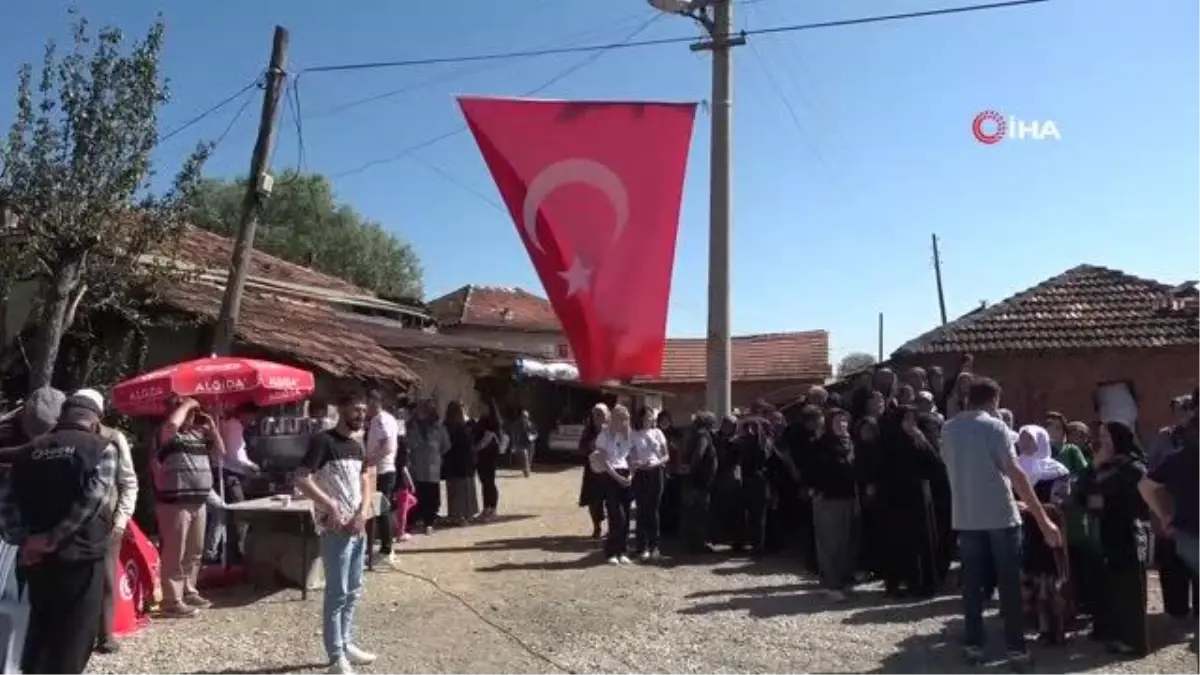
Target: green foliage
[(854, 362), (303, 223), (76, 165)]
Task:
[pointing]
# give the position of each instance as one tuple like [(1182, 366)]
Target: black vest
[(50, 478)]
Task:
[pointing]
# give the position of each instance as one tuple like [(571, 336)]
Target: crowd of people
[(893, 481), (71, 489), (901, 477)]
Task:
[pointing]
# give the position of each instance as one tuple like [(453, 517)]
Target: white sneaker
[(644, 556), (405, 537), (614, 561), (359, 657), (624, 560), (341, 667), (386, 560)]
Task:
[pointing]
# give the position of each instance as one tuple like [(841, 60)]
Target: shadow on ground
[(584, 562), (271, 670), (942, 652), (779, 600), (900, 612), (549, 544), (248, 593)]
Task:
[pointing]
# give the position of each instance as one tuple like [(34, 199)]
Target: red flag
[(594, 189)]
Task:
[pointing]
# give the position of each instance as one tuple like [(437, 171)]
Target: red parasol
[(219, 380)]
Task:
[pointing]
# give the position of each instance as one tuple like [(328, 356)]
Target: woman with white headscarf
[(1045, 572)]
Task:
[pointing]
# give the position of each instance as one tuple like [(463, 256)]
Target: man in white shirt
[(383, 441), (236, 467)]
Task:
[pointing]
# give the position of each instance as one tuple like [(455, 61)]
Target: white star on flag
[(577, 276)]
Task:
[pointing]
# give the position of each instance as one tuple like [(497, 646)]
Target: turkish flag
[(594, 189)]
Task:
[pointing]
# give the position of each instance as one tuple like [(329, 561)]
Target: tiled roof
[(1086, 307), (393, 336), (305, 330), (212, 251), (493, 307), (771, 356)]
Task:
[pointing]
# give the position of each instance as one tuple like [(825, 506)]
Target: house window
[(563, 351)]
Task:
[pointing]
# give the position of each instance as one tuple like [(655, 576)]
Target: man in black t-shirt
[(334, 475)]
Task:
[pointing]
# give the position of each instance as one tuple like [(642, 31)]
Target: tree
[(303, 223), (854, 362), (76, 168)]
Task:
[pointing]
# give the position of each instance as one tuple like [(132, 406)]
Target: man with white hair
[(123, 502)]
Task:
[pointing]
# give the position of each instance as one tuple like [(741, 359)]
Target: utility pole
[(880, 359), (258, 189), (717, 18), (937, 275)]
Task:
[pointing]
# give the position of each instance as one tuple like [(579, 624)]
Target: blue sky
[(832, 215)]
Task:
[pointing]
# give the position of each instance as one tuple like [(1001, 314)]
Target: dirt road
[(525, 595)]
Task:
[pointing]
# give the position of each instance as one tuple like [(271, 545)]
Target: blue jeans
[(342, 556), (983, 551)]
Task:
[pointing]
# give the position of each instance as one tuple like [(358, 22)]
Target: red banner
[(594, 189)]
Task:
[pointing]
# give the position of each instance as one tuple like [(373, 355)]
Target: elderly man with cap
[(123, 502), (58, 509)]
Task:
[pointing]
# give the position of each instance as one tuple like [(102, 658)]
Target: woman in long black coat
[(1120, 518), (912, 463), (591, 489)]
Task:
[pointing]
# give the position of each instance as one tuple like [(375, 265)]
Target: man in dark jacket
[(58, 509)]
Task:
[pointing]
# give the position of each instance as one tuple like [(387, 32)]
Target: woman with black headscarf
[(930, 425), (833, 486), (794, 512), (1118, 515), (912, 463), (871, 472), (698, 469), (458, 467)]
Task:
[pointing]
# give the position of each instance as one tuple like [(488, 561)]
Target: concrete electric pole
[(717, 18)]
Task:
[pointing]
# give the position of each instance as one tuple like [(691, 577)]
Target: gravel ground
[(525, 595)]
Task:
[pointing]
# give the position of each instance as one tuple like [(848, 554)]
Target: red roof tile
[(1086, 307), (214, 252), (304, 329), (492, 307), (771, 356)]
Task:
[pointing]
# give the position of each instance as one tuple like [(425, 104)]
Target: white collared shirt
[(616, 448), (236, 460), (649, 448), (383, 441)]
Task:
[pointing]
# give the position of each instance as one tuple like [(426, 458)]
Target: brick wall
[(1064, 380), (689, 397)]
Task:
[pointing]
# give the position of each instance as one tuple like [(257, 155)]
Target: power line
[(791, 111), (232, 122), (214, 109), (572, 40), (792, 28), (574, 68)]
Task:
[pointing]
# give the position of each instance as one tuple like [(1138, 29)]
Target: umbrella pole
[(222, 513)]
